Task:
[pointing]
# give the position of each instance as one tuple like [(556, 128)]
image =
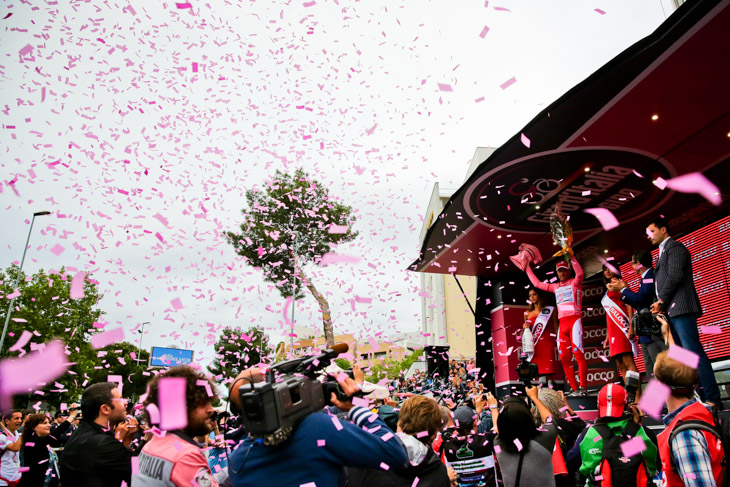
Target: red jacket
[(670, 478)]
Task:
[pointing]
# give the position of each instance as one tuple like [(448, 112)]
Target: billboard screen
[(170, 357)]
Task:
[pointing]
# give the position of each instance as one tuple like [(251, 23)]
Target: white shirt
[(661, 247), (10, 460)]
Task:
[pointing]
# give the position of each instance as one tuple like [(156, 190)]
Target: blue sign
[(170, 357)]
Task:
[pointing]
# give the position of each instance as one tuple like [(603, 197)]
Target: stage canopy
[(660, 109)]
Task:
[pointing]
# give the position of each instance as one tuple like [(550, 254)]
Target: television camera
[(290, 391)]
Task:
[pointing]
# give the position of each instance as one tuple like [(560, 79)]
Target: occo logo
[(597, 333), (606, 376), (596, 354), (593, 291)]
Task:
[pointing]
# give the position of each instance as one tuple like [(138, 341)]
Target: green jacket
[(591, 447)]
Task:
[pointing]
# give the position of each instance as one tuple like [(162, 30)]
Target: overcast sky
[(140, 125)]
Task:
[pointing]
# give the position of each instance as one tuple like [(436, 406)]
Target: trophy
[(528, 253), (562, 233)]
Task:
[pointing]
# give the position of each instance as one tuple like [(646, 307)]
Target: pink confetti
[(176, 303), (77, 286), (195, 67), (384, 466), (638, 174), (206, 384), (171, 403), (508, 83), (21, 374), (710, 330), (599, 11), (653, 398), (632, 447), (22, 341), (57, 249), (117, 379), (518, 444), (484, 32), (183, 5), (328, 259), (309, 4), (607, 220), (358, 299), (525, 141), (321, 443), (101, 340), (445, 87), (696, 183), (660, 183), (26, 50), (683, 355), (336, 422), (153, 413), (338, 229)]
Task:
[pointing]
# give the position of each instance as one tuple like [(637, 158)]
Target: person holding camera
[(677, 297), (97, 454), (320, 446), (643, 298)]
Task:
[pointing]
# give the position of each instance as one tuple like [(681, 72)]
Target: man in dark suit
[(677, 298), (644, 297)]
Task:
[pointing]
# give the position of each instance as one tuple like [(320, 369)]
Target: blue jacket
[(301, 459)]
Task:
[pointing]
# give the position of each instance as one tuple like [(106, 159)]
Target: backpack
[(614, 466), (721, 429)]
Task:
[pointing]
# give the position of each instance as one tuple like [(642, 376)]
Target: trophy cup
[(528, 253), (562, 234)]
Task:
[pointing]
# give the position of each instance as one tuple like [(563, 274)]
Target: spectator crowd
[(430, 431)]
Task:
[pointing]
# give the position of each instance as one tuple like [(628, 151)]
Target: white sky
[(115, 133)]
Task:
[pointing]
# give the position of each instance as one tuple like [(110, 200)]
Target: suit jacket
[(644, 296), (674, 280)]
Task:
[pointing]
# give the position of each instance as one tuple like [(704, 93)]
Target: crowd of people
[(432, 431)]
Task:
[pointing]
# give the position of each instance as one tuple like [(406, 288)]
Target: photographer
[(97, 454), (319, 447)]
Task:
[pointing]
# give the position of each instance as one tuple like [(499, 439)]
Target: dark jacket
[(644, 296), (36, 458), (431, 472), (674, 280), (92, 457)]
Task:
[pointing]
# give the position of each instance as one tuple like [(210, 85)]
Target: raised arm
[(535, 281), (577, 268)]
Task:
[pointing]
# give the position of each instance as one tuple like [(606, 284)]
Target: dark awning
[(661, 109)]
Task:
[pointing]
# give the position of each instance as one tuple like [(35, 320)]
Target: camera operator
[(319, 447)]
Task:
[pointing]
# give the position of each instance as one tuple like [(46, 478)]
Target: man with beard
[(175, 459)]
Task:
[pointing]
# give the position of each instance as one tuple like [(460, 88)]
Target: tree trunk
[(324, 306)]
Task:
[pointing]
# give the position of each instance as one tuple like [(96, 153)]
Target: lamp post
[(139, 344), (17, 278)]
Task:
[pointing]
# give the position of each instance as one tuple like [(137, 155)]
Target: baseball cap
[(464, 417), (611, 401), (562, 265)]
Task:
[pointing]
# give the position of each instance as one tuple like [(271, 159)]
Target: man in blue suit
[(644, 297), (677, 298)]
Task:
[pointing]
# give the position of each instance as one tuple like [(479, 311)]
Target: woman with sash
[(543, 323), (618, 320)]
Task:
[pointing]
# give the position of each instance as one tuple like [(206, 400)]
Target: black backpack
[(721, 429), (622, 470)]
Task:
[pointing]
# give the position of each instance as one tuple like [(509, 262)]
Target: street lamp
[(141, 335), (17, 278)]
